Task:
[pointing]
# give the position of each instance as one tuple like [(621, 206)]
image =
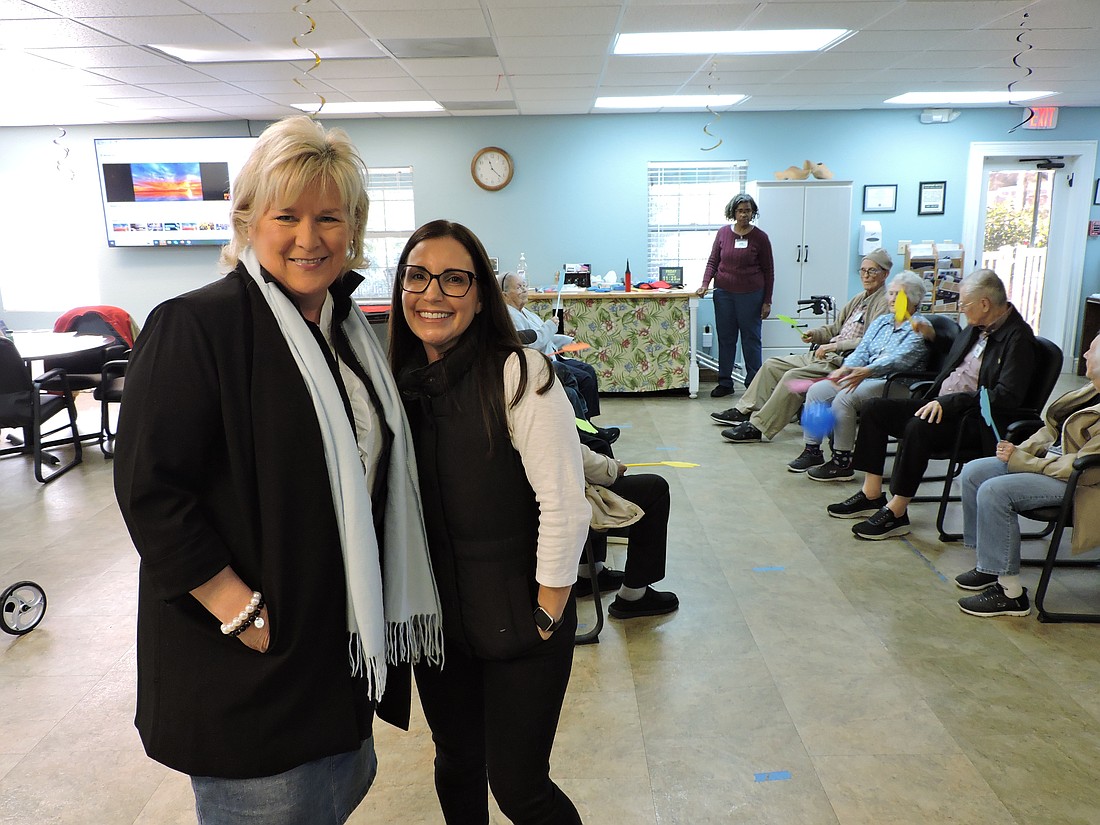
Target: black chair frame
[(34, 433), (109, 392), (592, 637)]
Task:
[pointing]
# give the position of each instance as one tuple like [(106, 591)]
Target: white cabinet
[(809, 224)]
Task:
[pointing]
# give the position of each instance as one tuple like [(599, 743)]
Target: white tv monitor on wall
[(168, 191)]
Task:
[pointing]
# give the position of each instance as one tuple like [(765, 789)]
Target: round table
[(37, 346)]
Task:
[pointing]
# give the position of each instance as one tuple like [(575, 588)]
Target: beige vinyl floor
[(808, 678)]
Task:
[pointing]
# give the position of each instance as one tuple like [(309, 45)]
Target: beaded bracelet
[(247, 617)]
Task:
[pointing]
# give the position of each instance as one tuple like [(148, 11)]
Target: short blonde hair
[(291, 155)]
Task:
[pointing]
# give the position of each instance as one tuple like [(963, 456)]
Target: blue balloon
[(818, 420)]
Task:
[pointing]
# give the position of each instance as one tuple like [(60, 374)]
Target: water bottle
[(521, 267)]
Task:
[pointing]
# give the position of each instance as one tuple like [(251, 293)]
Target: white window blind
[(686, 203), (390, 221)]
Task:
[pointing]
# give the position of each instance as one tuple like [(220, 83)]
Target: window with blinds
[(686, 203), (390, 221)]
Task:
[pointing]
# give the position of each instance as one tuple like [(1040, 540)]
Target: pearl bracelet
[(247, 617)]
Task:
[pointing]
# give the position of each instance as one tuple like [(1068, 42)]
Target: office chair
[(26, 404)]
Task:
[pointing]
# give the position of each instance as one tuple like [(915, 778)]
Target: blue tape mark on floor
[(772, 776), (766, 569), (924, 558), (668, 449)]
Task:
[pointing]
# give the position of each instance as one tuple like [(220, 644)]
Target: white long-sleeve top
[(546, 338), (544, 432)]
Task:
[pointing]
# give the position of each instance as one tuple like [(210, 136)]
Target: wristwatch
[(544, 621)]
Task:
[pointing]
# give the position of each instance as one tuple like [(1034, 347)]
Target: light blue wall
[(579, 193)]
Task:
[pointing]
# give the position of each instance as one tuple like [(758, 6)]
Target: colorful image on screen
[(167, 181)]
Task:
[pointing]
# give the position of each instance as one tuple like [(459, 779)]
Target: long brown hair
[(492, 330)]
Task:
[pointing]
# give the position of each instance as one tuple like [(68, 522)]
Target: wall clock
[(492, 168)]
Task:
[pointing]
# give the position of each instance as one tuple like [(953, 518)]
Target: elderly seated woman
[(1019, 478), (892, 343)]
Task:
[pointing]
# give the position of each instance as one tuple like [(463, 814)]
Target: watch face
[(492, 168)]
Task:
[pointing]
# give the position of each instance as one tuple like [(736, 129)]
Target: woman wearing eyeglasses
[(502, 483)]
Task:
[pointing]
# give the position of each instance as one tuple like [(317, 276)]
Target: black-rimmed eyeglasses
[(454, 283)]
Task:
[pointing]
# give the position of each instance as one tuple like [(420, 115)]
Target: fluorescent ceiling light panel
[(964, 98), (377, 108), (265, 53), (668, 101), (764, 41)]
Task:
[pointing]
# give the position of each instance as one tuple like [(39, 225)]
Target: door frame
[(1068, 244)]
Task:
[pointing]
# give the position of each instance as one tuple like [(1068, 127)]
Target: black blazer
[(220, 461)]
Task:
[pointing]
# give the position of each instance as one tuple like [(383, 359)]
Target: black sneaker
[(608, 434), (831, 471), (857, 506), (743, 433), (607, 578), (975, 580), (729, 417), (882, 525), (721, 390), (993, 602), (653, 603), (808, 458)]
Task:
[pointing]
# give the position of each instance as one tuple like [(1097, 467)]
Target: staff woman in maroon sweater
[(741, 267)]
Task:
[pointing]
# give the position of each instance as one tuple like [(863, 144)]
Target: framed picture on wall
[(933, 196), (880, 197), (1096, 193)]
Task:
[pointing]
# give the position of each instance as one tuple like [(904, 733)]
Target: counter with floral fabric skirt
[(641, 341)]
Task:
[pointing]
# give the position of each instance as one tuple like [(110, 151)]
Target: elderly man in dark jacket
[(995, 351)]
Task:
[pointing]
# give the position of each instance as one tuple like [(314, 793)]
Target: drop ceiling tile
[(452, 66), (554, 81), (810, 15), (692, 18), (553, 65), (46, 34), (356, 87), (189, 90), (492, 84), (349, 69), (578, 46), (387, 5), (281, 27), (387, 25), (118, 8), (643, 64), (550, 22), (215, 7), (19, 10), (922, 15), (153, 74), (182, 29)]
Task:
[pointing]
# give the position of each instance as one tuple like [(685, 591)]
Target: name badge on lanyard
[(979, 348), (740, 243)]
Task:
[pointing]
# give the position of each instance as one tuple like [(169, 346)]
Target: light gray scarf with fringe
[(397, 620)]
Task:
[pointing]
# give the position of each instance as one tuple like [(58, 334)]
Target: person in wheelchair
[(1025, 477), (769, 404)]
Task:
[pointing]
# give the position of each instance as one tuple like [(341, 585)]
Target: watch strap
[(544, 621)]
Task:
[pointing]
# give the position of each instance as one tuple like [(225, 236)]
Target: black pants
[(497, 720), (645, 558), (883, 417)]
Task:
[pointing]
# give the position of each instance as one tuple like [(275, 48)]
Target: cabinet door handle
[(798, 257), (806, 260)]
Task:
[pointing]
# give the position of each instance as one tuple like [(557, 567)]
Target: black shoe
[(608, 434), (653, 603), (607, 578), (882, 525), (975, 580), (743, 433), (729, 417), (721, 390), (857, 506), (993, 602), (831, 471), (808, 458)]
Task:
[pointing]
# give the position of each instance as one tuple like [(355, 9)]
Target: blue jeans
[(737, 314), (991, 498), (322, 792)]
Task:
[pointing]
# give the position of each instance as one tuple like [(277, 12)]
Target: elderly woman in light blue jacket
[(889, 345)]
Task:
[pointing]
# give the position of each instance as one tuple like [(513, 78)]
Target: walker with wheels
[(22, 607)]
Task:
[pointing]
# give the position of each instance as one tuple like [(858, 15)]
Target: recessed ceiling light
[(764, 41), (374, 108), (266, 53), (668, 101), (963, 98)]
